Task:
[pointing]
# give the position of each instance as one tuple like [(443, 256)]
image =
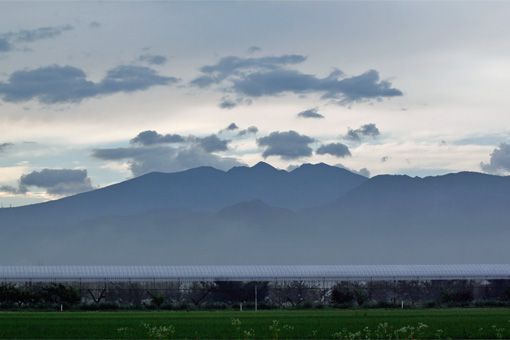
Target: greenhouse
[(243, 273)]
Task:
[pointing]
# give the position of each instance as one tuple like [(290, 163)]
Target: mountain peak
[(314, 166), (322, 168), (263, 165)]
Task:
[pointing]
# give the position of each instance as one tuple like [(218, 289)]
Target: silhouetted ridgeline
[(261, 215)]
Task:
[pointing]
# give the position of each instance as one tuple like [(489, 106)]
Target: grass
[(302, 324)]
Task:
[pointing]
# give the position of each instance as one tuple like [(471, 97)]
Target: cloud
[(94, 24), (162, 158), (151, 151), (249, 130), (5, 46), (235, 66), (209, 143), (151, 137), (212, 143), (367, 130), (272, 76), (232, 126), (227, 102), (344, 90), (10, 39), (253, 49), (57, 182), (292, 167), (287, 145), (499, 160), (67, 84), (335, 149), (4, 146), (363, 171), (229, 129), (153, 59), (384, 159), (310, 113), (9, 189), (37, 34)]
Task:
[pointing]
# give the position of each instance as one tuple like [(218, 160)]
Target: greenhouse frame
[(243, 273)]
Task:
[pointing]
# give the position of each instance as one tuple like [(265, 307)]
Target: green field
[(307, 324)]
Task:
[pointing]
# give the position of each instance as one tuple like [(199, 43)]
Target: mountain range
[(262, 215)]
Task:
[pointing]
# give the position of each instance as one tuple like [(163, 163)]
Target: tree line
[(237, 295)]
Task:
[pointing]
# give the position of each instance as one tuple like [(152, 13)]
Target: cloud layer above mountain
[(150, 151), (287, 145), (499, 160), (87, 76), (151, 137), (335, 149), (56, 182)]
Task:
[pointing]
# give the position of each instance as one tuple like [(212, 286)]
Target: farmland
[(284, 324)]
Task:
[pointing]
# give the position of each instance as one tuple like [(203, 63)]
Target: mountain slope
[(464, 198), (252, 215), (199, 189)]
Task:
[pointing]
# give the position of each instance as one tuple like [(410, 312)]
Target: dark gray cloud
[(65, 84), (151, 137), (94, 24), (287, 145), (59, 182), (334, 149), (9, 189), (367, 130), (249, 130), (271, 76), (227, 102), (499, 160), (163, 158), (344, 90), (363, 171), (310, 113), (212, 143), (236, 66), (151, 151), (153, 59), (232, 126), (384, 159), (36, 34)]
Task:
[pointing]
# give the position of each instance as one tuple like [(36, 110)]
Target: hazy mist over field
[(254, 132)]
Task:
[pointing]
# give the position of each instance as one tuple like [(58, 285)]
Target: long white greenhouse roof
[(255, 272)]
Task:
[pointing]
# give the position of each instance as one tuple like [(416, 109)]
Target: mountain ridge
[(312, 214), (201, 189)]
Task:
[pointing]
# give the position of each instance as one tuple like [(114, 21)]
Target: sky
[(95, 93)]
